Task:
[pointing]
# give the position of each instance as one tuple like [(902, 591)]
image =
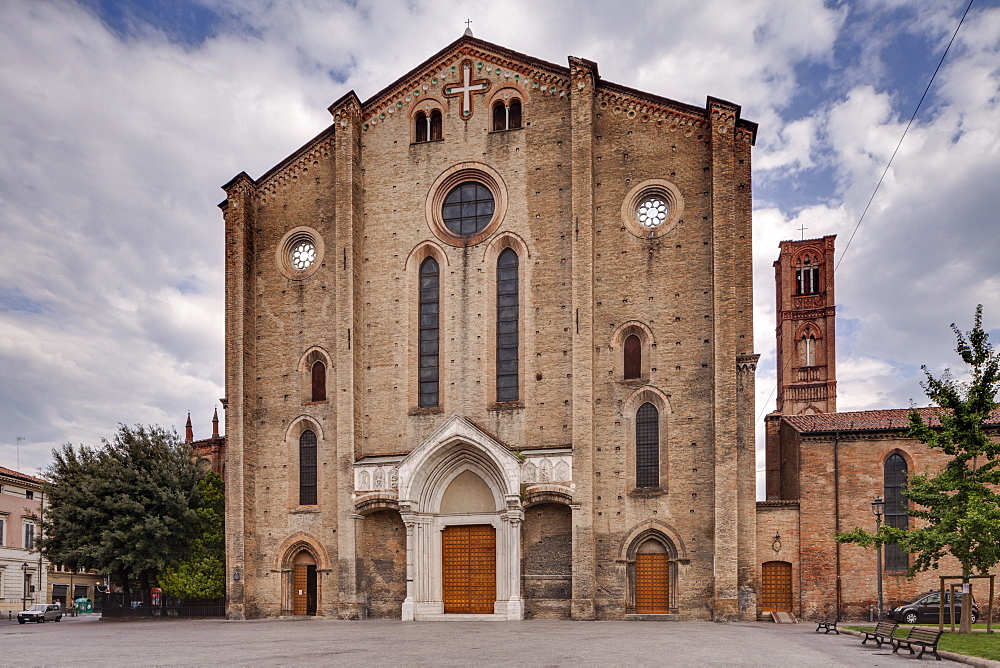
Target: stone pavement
[(86, 641)]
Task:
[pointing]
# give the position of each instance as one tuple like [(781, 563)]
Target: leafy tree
[(202, 574), (958, 507), (127, 509)]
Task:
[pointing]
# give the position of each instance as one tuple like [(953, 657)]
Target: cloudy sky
[(120, 119)]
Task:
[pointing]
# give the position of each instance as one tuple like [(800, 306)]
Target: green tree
[(202, 574), (127, 508), (957, 508)]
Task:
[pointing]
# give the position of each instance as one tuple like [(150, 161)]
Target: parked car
[(40, 612), (926, 607)]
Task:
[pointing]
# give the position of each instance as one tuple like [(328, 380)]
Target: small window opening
[(318, 381), (633, 357), (435, 126)]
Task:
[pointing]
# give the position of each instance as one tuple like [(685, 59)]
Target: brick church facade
[(824, 469), (489, 353)]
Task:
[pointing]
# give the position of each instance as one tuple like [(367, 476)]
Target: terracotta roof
[(20, 476), (895, 418)]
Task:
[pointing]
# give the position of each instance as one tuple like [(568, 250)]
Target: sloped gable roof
[(891, 419)]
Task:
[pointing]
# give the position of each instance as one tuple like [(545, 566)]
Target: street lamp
[(878, 509), (24, 586)]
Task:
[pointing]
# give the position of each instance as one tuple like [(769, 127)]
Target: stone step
[(460, 618), (651, 618)]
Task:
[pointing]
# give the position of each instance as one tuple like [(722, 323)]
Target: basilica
[(489, 354)]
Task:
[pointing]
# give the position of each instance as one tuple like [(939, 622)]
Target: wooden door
[(652, 583), (300, 589), (469, 568), (776, 587)]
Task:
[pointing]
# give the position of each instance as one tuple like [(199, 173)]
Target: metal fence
[(158, 605)]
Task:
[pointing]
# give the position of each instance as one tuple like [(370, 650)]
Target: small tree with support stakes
[(959, 507)]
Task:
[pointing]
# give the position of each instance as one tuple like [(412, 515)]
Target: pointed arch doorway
[(459, 498)]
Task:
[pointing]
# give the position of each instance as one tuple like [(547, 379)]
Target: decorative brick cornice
[(747, 362)]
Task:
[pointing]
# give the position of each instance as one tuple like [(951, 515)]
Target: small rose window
[(652, 210), (303, 255)]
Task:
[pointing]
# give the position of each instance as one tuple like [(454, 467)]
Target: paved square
[(86, 641)]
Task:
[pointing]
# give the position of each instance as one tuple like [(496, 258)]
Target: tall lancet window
[(507, 326), (429, 334), (647, 446), (895, 510), (307, 468)]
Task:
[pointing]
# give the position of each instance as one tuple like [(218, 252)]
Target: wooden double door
[(776, 586), (469, 568), (652, 584)]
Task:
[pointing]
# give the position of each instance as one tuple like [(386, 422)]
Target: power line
[(903, 136), (881, 179)]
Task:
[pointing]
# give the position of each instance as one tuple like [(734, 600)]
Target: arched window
[(507, 326), (423, 126), (307, 468), (647, 446), (894, 477), (633, 357), (514, 114), (506, 116), (807, 276), (428, 344), (436, 125), (318, 381), (499, 116)]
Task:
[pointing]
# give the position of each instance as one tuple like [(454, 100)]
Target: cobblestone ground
[(86, 641)]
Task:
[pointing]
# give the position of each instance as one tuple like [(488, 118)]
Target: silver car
[(40, 612)]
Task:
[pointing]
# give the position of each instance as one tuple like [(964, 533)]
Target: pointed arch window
[(647, 446), (428, 367), (318, 381), (894, 479), (307, 468), (633, 357), (507, 326)]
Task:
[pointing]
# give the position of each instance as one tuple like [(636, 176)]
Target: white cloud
[(111, 283)]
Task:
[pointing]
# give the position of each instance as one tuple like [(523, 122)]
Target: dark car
[(926, 608), (40, 612)]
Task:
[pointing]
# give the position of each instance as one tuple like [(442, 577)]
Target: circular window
[(652, 208), (299, 253), (467, 209), (303, 255), (466, 204), (652, 211)]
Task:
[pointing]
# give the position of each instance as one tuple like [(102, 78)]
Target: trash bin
[(84, 604)]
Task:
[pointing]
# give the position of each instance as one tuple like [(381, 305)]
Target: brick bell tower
[(807, 362)]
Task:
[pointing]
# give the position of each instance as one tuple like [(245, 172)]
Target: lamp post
[(878, 509), (24, 586)]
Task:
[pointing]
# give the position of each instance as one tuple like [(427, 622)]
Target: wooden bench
[(882, 633), (927, 639), (830, 625)]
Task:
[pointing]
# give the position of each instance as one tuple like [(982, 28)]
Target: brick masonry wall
[(860, 461), (363, 188)]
